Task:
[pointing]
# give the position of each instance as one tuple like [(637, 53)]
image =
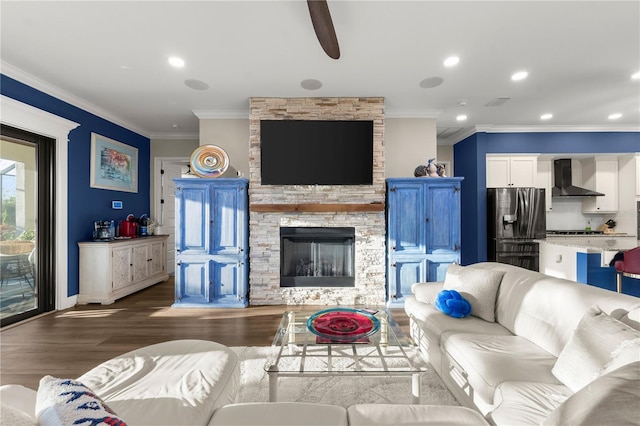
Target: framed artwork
[(114, 165)]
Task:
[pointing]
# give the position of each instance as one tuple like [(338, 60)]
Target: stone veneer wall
[(264, 237)]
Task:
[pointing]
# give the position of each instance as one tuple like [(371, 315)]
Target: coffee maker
[(103, 230)]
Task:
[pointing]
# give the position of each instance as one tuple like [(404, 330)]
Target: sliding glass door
[(26, 225)]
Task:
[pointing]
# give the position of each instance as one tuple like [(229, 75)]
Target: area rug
[(342, 391)]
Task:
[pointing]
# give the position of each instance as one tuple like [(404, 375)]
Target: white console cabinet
[(114, 269)]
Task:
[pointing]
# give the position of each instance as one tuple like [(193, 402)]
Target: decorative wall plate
[(209, 161), (343, 324)]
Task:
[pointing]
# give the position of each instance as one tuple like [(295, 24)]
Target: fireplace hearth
[(317, 257)]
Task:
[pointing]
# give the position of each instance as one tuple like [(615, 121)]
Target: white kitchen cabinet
[(511, 171), (114, 269), (601, 175), (545, 181), (558, 260)]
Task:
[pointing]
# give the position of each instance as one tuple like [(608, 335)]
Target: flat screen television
[(316, 152)]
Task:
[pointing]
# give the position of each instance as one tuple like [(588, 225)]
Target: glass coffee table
[(300, 352)]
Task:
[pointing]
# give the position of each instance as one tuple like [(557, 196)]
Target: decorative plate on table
[(343, 324)]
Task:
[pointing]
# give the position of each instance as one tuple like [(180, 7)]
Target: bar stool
[(628, 267)]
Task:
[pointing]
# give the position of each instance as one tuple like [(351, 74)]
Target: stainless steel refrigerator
[(515, 218)]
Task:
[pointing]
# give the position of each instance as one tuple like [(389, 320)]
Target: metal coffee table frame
[(297, 353)]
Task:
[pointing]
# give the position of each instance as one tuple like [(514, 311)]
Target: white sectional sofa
[(189, 382), (536, 349)]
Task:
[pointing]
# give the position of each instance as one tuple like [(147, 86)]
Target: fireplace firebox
[(317, 257)]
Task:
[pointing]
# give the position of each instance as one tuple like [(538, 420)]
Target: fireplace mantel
[(313, 207)]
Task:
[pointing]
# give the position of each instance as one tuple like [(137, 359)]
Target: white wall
[(445, 153), (170, 148), (232, 135), (409, 142)]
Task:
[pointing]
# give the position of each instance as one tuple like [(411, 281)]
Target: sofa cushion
[(489, 360), (405, 415), (524, 307), (427, 292), (436, 323), (478, 286), (526, 403), (279, 414), (21, 398), (598, 342), (69, 402), (611, 399), (632, 318), (179, 382), (13, 416)]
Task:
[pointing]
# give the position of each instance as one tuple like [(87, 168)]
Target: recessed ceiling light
[(431, 82), (124, 67), (451, 61), (547, 116), (176, 62), (636, 76), (175, 126), (196, 84), (311, 84), (615, 116), (461, 117), (520, 75)]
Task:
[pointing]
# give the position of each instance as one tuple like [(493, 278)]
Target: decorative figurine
[(420, 171), (432, 168), (442, 172)]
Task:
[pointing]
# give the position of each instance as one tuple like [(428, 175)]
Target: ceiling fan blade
[(323, 26)]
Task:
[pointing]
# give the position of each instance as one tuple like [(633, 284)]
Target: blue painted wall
[(86, 204), (469, 156)]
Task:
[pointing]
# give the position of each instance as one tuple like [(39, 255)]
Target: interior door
[(167, 216)]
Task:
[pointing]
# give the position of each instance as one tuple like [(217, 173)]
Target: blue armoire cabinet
[(212, 243), (423, 232)]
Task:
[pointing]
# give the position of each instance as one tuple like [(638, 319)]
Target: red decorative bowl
[(343, 324)]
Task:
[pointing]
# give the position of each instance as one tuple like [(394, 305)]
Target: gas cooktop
[(574, 232)]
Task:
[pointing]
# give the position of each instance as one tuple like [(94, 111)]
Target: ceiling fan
[(323, 26)]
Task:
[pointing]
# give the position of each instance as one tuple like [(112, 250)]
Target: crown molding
[(412, 113), (489, 128), (546, 129), (204, 114), (174, 136), (30, 80)]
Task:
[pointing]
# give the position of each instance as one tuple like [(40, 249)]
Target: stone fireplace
[(273, 207)]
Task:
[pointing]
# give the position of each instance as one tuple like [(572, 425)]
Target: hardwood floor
[(70, 342)]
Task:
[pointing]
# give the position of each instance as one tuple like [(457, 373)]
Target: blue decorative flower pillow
[(453, 304)]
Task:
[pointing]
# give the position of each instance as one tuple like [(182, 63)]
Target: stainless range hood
[(563, 186)]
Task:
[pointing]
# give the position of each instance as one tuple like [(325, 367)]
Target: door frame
[(34, 120), (157, 181)]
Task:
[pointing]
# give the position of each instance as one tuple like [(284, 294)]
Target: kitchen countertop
[(594, 243)]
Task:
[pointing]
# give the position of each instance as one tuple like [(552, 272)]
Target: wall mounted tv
[(316, 152)]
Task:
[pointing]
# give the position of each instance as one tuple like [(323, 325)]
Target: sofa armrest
[(19, 398), (427, 292)]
